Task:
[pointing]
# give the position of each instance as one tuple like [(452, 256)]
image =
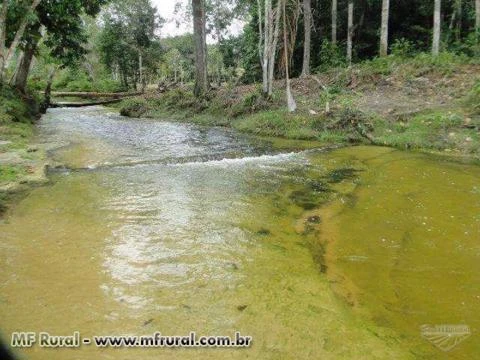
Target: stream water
[(158, 226)]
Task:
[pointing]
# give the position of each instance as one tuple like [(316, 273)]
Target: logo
[(445, 337)]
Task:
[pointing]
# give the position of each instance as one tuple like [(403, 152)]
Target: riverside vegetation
[(21, 162), (423, 102)]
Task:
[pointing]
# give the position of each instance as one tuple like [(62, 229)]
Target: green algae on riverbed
[(406, 252), (174, 228)]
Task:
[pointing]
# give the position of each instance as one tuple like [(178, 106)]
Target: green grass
[(16, 118), (279, 123), (436, 130), (17, 114), (10, 173)]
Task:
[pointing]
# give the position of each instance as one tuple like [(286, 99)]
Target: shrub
[(15, 107), (136, 107), (330, 56), (403, 48)]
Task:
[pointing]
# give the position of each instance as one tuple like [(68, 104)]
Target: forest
[(118, 45)]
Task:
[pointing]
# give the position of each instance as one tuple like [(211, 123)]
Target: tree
[(477, 17), (20, 77), (307, 20), (128, 37), (174, 61), (6, 53), (334, 21), (63, 34), (199, 33), (350, 32), (291, 104), (384, 28), (436, 27), (268, 39)]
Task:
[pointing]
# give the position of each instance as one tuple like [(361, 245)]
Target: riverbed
[(153, 226)]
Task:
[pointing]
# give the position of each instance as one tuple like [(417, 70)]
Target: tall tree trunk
[(199, 32), (307, 20), (266, 43), (334, 21), (436, 27), (269, 29), (3, 34), (350, 32), (48, 91), (18, 36), (140, 71), (20, 77), (477, 16), (261, 48), (459, 7), (275, 33), (292, 106), (384, 28)]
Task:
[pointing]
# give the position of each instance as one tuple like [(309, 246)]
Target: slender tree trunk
[(384, 28), (20, 77), (3, 34), (199, 31), (141, 79), (266, 43), (19, 35), (275, 33), (261, 47), (334, 21), (307, 20), (292, 106), (477, 16), (436, 28), (124, 80), (350, 32), (459, 9), (48, 91)]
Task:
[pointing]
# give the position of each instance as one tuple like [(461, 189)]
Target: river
[(153, 226)]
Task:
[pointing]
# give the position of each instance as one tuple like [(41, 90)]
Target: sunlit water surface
[(158, 226)]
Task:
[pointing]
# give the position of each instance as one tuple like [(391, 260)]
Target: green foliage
[(129, 32), (13, 108), (403, 48), (252, 102), (330, 56), (16, 116), (281, 123), (134, 107), (75, 79)]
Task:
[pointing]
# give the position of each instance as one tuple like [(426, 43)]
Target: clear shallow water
[(158, 226)]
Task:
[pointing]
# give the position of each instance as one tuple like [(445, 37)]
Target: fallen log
[(93, 95), (77, 104)]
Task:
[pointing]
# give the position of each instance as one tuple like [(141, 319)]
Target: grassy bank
[(413, 103), (20, 161)]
